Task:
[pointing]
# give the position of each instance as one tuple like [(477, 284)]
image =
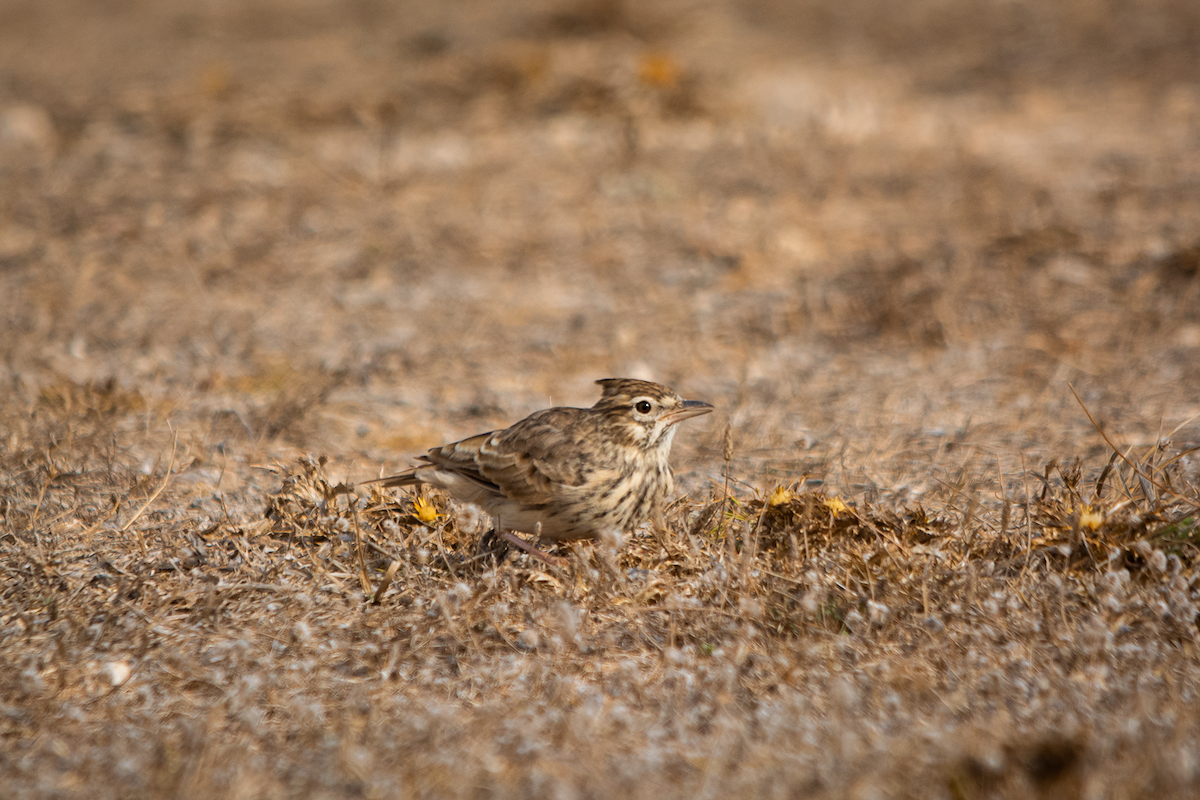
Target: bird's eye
[(643, 407)]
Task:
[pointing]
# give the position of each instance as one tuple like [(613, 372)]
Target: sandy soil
[(937, 264)]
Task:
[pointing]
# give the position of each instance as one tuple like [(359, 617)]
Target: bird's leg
[(528, 548), (658, 526)]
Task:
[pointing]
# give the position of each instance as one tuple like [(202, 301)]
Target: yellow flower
[(835, 505), (426, 513), (780, 496), (658, 70), (1090, 518)]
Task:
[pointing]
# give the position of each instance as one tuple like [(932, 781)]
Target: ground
[(937, 265)]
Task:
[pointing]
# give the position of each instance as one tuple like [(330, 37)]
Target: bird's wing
[(458, 457), (529, 462)]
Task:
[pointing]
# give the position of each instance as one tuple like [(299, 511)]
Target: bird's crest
[(619, 391)]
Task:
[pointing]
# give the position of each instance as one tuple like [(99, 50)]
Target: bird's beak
[(689, 409)]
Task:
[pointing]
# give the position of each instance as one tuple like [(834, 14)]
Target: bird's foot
[(493, 547)]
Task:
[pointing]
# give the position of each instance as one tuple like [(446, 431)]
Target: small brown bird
[(567, 473)]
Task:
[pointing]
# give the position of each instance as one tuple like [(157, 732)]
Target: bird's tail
[(406, 478)]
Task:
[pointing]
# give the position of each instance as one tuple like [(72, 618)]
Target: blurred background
[(887, 240), (369, 227)]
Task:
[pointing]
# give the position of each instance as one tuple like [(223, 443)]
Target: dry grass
[(339, 644), (254, 253)]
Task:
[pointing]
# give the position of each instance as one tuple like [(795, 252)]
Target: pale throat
[(662, 439)]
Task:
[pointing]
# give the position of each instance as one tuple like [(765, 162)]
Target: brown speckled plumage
[(575, 471)]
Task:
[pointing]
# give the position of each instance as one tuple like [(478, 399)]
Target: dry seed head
[(811, 601), (566, 620), (301, 633), (117, 672), (1116, 581), (31, 682), (845, 694), (1158, 561), (750, 608), (470, 519), (611, 539), (677, 657)]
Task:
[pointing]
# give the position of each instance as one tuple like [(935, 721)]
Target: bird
[(566, 474)]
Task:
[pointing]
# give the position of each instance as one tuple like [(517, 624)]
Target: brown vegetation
[(936, 264)]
